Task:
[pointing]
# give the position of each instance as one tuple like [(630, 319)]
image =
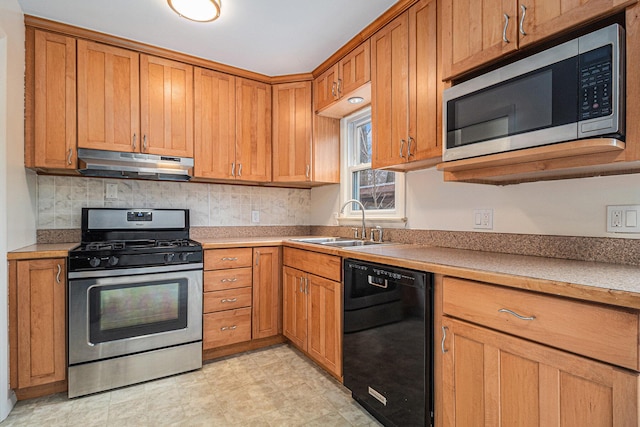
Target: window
[(381, 192)]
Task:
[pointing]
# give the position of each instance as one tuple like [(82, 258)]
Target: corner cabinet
[(514, 357), (312, 304), (50, 101), (406, 91), (37, 326), (472, 39)]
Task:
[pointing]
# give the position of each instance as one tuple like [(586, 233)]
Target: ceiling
[(271, 37)]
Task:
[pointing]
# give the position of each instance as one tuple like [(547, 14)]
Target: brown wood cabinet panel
[(292, 132), (267, 293), (324, 308), (41, 322), (253, 127), (294, 307), (166, 110), (227, 299), (226, 327), (222, 259), (326, 150), (218, 280), (50, 115), (325, 88), (108, 98), (215, 124), (600, 332), (491, 378), (354, 69), (323, 265)]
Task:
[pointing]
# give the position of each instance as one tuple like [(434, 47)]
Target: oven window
[(126, 311)]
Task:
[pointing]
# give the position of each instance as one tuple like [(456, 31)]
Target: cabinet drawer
[(227, 299), (218, 259), (217, 280), (226, 327), (323, 265), (601, 332)]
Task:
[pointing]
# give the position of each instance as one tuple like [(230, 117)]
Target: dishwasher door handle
[(384, 285)]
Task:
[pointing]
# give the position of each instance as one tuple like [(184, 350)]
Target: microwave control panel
[(595, 84)]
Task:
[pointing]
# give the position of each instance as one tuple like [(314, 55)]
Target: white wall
[(17, 187), (574, 207)]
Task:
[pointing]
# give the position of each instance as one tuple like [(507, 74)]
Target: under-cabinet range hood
[(115, 164)]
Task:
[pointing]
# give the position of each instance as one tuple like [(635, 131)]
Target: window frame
[(352, 216)]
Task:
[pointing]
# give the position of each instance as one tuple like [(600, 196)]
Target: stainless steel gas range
[(135, 299)]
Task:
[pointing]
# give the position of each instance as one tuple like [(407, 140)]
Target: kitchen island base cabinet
[(37, 306), (312, 306), (490, 378)]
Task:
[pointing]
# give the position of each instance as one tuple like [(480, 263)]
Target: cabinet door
[(355, 69), (424, 138), (390, 93), (108, 98), (326, 150), (215, 124), (41, 345), (473, 36), (325, 88), (166, 107), (267, 293), (495, 379), (294, 307), (253, 140), (324, 306), (292, 132), (50, 120), (543, 18)]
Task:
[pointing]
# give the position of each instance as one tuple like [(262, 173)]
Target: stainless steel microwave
[(572, 91)]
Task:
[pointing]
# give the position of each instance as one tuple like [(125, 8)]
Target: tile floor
[(277, 386)]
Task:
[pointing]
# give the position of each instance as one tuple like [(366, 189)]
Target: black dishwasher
[(388, 341)]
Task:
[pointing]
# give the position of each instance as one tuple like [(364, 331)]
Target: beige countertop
[(599, 282)]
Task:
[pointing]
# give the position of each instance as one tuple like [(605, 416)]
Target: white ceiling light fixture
[(197, 10)]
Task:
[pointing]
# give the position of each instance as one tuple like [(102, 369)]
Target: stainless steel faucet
[(363, 235)]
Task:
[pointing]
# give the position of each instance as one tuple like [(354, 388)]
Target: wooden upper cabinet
[(50, 119), (108, 98), (347, 77), (166, 107), (39, 312), (474, 37), (326, 150), (253, 131), (214, 124), (292, 132)]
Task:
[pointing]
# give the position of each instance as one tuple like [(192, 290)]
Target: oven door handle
[(371, 281)]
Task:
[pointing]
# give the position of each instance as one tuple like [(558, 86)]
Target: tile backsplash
[(60, 199)]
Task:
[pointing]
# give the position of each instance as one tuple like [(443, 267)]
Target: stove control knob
[(113, 260), (184, 256), (169, 257), (94, 262)]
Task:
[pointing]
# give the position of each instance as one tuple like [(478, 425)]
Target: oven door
[(136, 310)]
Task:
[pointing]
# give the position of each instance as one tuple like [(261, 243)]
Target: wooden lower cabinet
[(490, 378), (267, 293), (37, 305), (313, 307)]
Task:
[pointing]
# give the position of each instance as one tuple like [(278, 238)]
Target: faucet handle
[(355, 233)]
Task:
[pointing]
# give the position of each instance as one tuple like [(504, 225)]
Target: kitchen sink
[(340, 242)]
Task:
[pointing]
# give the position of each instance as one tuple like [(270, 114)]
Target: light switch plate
[(112, 192), (623, 218), (483, 219), (255, 217)]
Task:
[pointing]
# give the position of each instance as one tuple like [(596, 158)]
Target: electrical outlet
[(112, 191), (623, 218), (255, 217), (483, 219)]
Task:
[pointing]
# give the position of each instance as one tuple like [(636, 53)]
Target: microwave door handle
[(504, 30)]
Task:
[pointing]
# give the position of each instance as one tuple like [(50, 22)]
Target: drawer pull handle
[(229, 259), (228, 328), (444, 338), (229, 300), (524, 13), (513, 313), (504, 30), (229, 280)]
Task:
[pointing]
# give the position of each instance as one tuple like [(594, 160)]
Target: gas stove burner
[(104, 246)]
